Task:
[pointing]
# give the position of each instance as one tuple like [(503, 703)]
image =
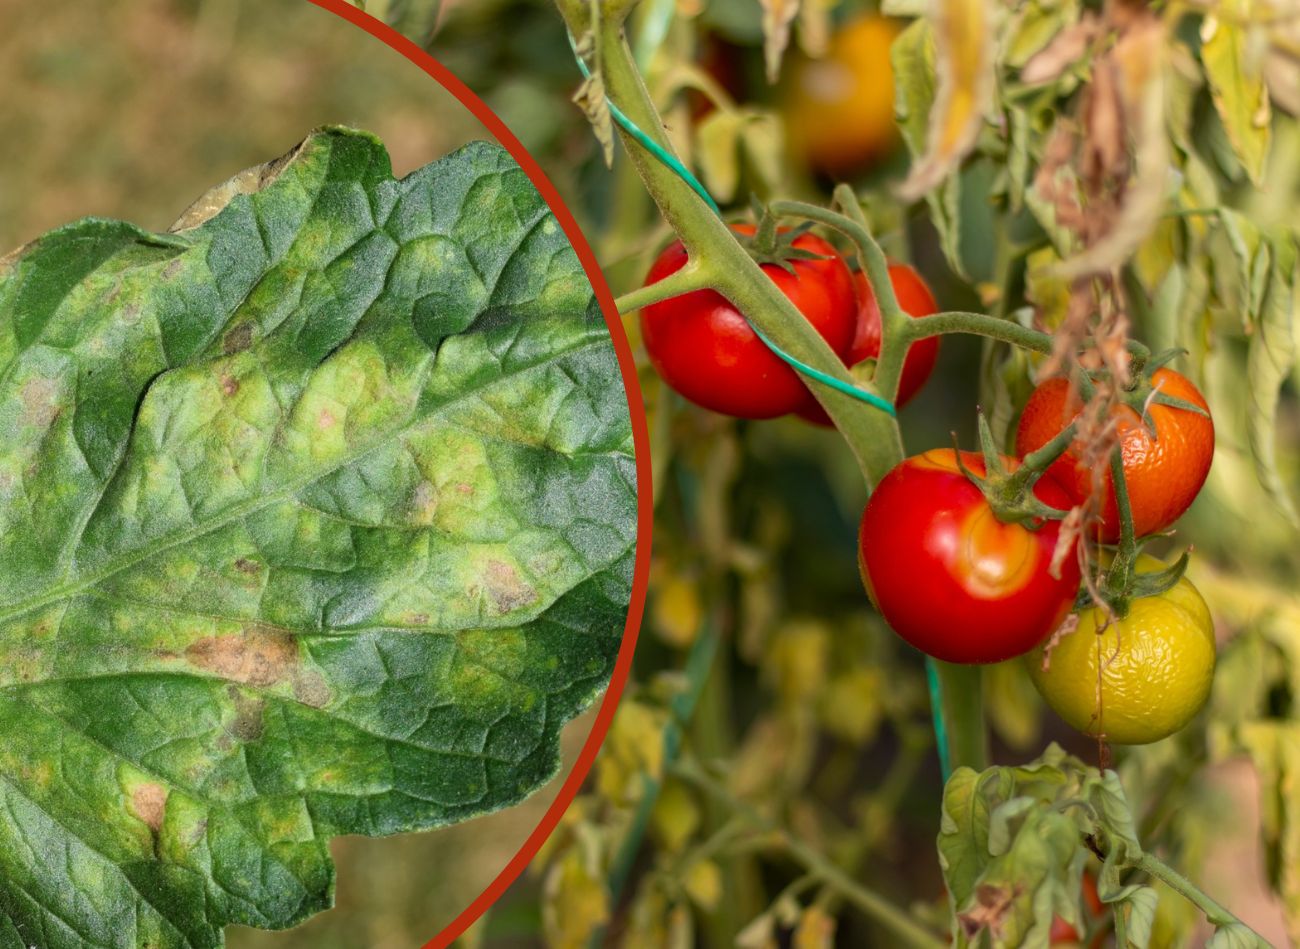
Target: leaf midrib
[(15, 608)]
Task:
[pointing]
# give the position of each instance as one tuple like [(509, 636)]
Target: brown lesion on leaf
[(149, 804), (238, 339), (424, 502), (505, 588), (247, 723), (229, 384), (258, 656), (250, 567), (311, 689), (992, 904), (249, 181), (40, 398)]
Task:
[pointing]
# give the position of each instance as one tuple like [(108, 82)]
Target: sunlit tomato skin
[(840, 108), (706, 350), (915, 299), (1164, 472), (948, 576)]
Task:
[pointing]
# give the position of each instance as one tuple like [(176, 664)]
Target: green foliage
[(318, 519)]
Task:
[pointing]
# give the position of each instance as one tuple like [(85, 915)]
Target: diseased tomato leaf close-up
[(318, 519)]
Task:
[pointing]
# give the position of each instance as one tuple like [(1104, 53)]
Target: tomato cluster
[(966, 564), (706, 350)]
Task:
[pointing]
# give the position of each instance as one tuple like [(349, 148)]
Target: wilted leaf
[(718, 150), (1269, 360), (1034, 26), (1045, 288), (913, 60), (1274, 748), (1236, 936), (318, 519), (1237, 84), (964, 46), (577, 900), (1067, 48)]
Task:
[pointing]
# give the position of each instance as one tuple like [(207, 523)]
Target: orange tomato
[(1164, 471), (840, 110)]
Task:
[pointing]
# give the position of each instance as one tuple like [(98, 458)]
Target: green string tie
[(674, 163)]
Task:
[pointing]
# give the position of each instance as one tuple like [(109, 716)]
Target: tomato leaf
[(913, 58), (1235, 936), (964, 47), (1236, 78), (1270, 357), (318, 520)]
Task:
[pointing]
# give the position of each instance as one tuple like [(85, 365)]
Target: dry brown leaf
[(1065, 49)]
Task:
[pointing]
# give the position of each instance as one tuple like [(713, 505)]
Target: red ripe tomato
[(916, 300), (706, 350), (948, 576), (1164, 472)]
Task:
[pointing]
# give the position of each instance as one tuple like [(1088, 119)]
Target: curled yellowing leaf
[(964, 44)]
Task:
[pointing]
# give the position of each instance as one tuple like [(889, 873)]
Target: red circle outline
[(640, 440)]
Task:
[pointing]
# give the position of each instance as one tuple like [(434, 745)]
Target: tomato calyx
[(1121, 584), (1143, 392), (769, 244), (1010, 491)]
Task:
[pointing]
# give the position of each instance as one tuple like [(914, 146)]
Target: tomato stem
[(1120, 576), (695, 275), (1214, 912), (872, 435)]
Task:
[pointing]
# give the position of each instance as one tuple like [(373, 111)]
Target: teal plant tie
[(862, 395), (649, 144), (936, 713), (670, 160)]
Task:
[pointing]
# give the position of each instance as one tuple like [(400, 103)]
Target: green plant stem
[(962, 705), (694, 276), (979, 324), (1214, 912), (872, 904), (1121, 571), (871, 435)]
